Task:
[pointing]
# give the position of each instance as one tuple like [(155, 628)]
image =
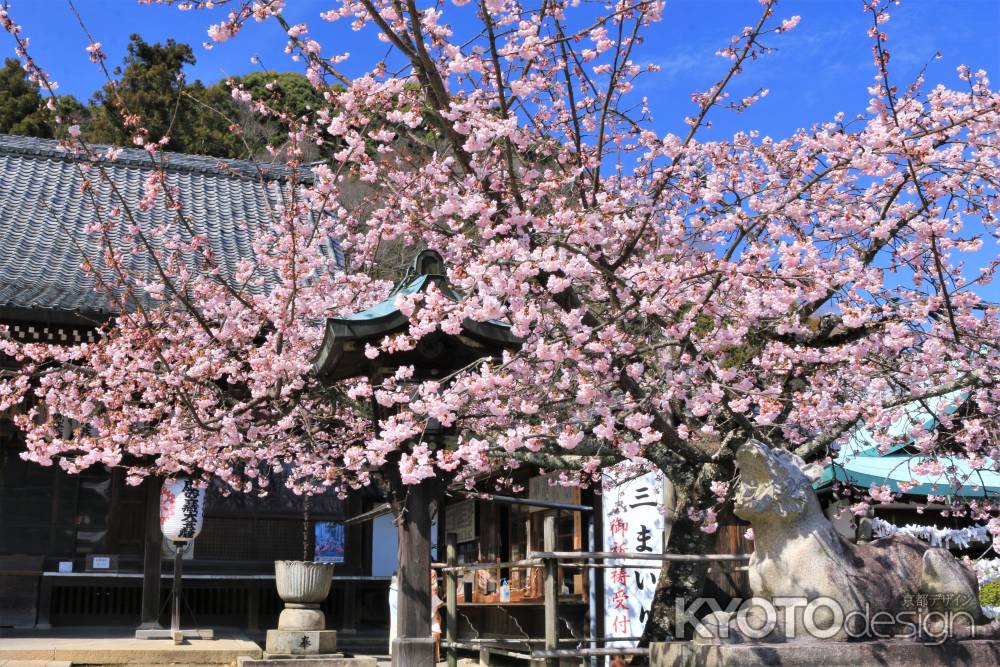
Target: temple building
[(73, 547), (925, 490), (86, 549)]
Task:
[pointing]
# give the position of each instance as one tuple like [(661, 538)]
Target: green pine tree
[(21, 110), (150, 85)]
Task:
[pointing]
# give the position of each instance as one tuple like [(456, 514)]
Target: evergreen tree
[(21, 110), (150, 84), (283, 92)]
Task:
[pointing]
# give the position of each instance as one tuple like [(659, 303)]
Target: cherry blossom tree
[(675, 296)]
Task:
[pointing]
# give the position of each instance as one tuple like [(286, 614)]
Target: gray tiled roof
[(44, 215)]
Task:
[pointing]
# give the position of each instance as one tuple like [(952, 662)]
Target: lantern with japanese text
[(182, 513), (182, 510)]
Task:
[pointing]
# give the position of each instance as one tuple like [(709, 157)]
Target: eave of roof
[(895, 472), (342, 350), (860, 463)]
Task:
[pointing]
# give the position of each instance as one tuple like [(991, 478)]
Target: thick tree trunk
[(684, 581), (413, 644)]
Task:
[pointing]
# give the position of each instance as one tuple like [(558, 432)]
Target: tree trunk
[(683, 581), (677, 581), (413, 644)]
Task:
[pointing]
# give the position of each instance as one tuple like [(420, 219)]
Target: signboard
[(633, 523), (97, 563), (329, 542), (460, 518), (384, 546), (540, 488)]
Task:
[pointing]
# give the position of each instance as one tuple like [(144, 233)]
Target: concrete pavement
[(97, 646)]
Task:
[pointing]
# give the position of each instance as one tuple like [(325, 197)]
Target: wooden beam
[(551, 591)]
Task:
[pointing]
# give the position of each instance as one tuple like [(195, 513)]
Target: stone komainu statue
[(799, 554)]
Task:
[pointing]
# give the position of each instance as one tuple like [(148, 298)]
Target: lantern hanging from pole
[(182, 510)]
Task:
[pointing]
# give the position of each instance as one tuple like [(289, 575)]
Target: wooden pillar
[(150, 615), (413, 644), (253, 606), (348, 611), (551, 590), (44, 604), (451, 599)]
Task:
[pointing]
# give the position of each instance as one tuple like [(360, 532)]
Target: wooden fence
[(549, 561)]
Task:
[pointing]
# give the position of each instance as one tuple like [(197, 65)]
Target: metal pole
[(175, 614), (551, 591), (451, 599)]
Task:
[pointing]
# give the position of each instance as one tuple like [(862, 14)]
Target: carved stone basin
[(303, 585)]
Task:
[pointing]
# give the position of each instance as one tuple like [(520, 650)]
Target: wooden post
[(349, 606), (451, 599), (44, 605), (253, 607), (413, 644), (149, 618), (551, 590)]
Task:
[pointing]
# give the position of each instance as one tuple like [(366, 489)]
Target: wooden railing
[(549, 561)]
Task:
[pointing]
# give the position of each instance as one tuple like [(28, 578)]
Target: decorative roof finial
[(429, 263)]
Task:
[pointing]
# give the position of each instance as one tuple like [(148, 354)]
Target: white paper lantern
[(182, 510)]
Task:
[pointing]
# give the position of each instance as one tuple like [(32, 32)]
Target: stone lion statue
[(894, 586)]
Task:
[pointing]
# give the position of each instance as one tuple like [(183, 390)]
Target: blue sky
[(822, 67)]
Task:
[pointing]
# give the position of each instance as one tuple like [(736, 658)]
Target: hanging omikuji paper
[(182, 510), (949, 538)]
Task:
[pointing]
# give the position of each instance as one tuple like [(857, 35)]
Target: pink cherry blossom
[(673, 295)]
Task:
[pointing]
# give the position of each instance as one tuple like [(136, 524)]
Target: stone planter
[(303, 585)]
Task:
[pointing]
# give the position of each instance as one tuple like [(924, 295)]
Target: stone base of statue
[(300, 642), (898, 653), (308, 661)]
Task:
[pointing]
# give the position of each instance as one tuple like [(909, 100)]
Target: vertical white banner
[(633, 523)]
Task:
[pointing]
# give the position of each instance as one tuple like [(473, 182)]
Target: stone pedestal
[(303, 585), (177, 635), (300, 643), (901, 653), (321, 661), (301, 616)]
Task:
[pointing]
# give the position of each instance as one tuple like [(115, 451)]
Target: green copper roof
[(859, 462), (341, 354), (388, 307), (958, 478), (862, 442)]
